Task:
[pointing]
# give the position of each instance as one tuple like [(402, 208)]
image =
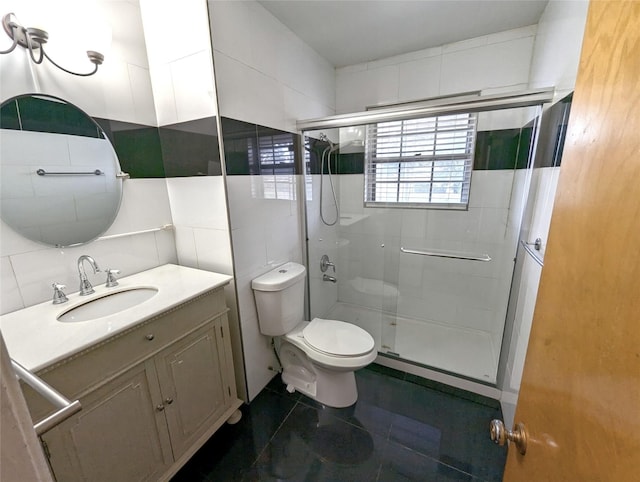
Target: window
[(420, 162)]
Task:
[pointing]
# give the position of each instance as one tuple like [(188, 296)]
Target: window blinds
[(420, 162)]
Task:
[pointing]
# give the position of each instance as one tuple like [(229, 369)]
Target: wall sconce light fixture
[(34, 39)]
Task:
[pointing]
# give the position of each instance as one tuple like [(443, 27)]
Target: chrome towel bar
[(448, 254), (65, 407), (42, 172), (536, 257)]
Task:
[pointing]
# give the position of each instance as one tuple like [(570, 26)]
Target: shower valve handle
[(325, 264)]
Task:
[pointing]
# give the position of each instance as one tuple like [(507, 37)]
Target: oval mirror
[(60, 178)]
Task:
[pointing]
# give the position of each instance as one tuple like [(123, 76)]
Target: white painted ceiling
[(347, 32)]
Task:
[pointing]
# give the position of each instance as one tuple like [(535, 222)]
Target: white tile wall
[(181, 63), (265, 74), (265, 233), (117, 91), (199, 212), (494, 61), (558, 43)]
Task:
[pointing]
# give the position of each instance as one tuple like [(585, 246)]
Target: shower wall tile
[(419, 79), (466, 294), (357, 90), (491, 189), (494, 65), (493, 61), (351, 194), (324, 297)]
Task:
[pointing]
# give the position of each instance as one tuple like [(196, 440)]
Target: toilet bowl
[(318, 357)]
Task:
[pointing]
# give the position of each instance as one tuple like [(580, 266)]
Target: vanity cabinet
[(150, 396)]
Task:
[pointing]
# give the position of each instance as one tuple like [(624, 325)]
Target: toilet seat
[(330, 360), (337, 338)]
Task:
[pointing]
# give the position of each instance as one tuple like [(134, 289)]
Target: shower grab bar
[(532, 253), (65, 407), (42, 172), (445, 254)]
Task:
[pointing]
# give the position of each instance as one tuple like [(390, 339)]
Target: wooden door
[(580, 393)]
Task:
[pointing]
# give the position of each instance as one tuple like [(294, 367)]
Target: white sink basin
[(108, 304)]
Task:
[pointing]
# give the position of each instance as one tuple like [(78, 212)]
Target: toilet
[(318, 357)]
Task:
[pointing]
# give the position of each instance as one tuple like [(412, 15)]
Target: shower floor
[(465, 352)]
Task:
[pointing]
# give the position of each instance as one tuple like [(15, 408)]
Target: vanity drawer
[(94, 366)]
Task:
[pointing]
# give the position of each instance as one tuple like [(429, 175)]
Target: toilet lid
[(337, 338)]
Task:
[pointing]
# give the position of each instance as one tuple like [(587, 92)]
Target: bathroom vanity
[(155, 379)]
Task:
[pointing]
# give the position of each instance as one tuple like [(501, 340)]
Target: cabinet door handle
[(160, 407), (168, 401), (150, 336)]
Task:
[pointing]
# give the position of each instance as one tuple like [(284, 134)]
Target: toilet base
[(332, 388)]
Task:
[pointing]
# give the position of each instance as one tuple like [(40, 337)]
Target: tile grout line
[(273, 435)]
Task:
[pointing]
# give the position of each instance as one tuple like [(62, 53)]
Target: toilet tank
[(279, 297)]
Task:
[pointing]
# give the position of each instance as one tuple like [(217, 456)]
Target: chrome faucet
[(85, 285), (326, 277)]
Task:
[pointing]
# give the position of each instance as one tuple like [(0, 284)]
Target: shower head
[(322, 136)]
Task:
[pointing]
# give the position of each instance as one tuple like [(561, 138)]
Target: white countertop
[(36, 339)]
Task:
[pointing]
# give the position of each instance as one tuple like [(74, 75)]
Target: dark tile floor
[(401, 429)]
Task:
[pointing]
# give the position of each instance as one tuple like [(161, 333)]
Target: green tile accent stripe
[(137, 147), (39, 114), (252, 149), (496, 149), (177, 150)]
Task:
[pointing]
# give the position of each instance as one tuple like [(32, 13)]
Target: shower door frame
[(530, 98)]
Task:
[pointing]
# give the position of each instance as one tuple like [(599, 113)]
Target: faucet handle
[(326, 264), (111, 278), (58, 296)]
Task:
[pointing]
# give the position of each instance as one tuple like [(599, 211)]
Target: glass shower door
[(430, 284)]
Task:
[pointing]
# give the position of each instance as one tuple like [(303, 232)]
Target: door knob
[(500, 435), (159, 407)]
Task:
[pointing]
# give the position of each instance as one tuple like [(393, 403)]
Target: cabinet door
[(192, 382), (119, 435)]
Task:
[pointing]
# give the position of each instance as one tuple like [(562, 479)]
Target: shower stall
[(413, 215)]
